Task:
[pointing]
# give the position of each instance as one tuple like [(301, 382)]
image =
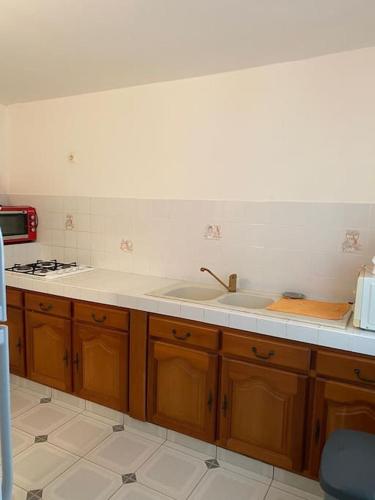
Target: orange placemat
[(314, 308)]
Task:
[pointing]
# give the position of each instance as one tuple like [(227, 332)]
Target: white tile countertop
[(130, 290)]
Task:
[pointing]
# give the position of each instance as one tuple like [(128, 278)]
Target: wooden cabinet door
[(100, 365), (182, 385), (48, 342), (16, 341), (263, 413), (339, 406)]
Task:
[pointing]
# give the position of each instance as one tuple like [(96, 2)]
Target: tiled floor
[(69, 452)]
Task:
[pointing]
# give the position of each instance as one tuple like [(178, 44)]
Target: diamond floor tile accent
[(43, 419), (80, 435), (136, 491), (212, 463), (124, 452), (41, 439), (23, 401), (220, 484), (83, 481), (35, 467), (34, 495), (129, 478), (172, 473), (45, 400), (118, 428)]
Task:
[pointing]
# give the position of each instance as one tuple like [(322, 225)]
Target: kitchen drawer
[(48, 304), (184, 332), (346, 367), (267, 351), (98, 315), (14, 297)]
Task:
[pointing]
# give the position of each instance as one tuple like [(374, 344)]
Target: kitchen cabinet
[(182, 385), (339, 405), (100, 365), (16, 337), (262, 412), (48, 341)]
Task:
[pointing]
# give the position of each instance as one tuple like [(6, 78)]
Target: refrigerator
[(5, 426)]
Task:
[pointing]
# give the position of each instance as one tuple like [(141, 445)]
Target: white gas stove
[(48, 269)]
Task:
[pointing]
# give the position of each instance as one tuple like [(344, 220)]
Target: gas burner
[(22, 268), (48, 268)]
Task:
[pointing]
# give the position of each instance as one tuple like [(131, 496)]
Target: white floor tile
[(42, 390), (43, 419), (21, 441), (176, 438), (19, 493), (145, 427), (68, 400), (80, 435), (37, 466), (172, 473), (83, 481), (245, 466), (276, 494), (23, 401), (286, 478), (297, 492), (107, 414), (135, 491), (124, 452), (221, 484)]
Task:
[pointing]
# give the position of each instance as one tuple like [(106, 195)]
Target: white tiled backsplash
[(273, 246)]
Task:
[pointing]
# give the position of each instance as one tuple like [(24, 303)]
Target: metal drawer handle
[(98, 320), (76, 361), (66, 358), (357, 371), (262, 356), (224, 405), (184, 336), (19, 344), (210, 401), (45, 307)]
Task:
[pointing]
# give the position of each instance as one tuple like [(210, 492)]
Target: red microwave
[(18, 224)]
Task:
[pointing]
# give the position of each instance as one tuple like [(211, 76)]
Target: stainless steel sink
[(245, 300), (194, 293)]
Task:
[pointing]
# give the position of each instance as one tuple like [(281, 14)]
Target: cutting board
[(312, 308)]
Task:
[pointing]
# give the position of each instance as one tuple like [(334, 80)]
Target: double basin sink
[(214, 296)]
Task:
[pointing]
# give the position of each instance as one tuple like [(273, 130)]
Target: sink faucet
[(231, 287)]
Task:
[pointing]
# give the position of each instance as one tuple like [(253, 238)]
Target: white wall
[(294, 131), (4, 184)]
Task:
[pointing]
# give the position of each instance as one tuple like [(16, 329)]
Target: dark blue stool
[(347, 469)]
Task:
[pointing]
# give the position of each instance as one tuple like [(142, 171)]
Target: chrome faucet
[(231, 287)]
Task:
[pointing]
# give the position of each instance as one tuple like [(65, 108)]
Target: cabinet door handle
[(45, 307), (262, 356), (19, 344), (184, 336), (66, 358), (210, 401), (224, 405), (76, 361), (317, 431), (98, 320), (357, 371)]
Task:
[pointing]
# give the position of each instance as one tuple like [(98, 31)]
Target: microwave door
[(14, 225), (5, 415)]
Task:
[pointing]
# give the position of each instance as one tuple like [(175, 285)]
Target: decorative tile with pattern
[(129, 478), (41, 439), (34, 495), (212, 463), (118, 428)]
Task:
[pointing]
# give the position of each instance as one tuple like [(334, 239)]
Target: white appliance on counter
[(364, 310), (5, 427)]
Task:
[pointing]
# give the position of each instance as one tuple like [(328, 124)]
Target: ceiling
[(52, 48)]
